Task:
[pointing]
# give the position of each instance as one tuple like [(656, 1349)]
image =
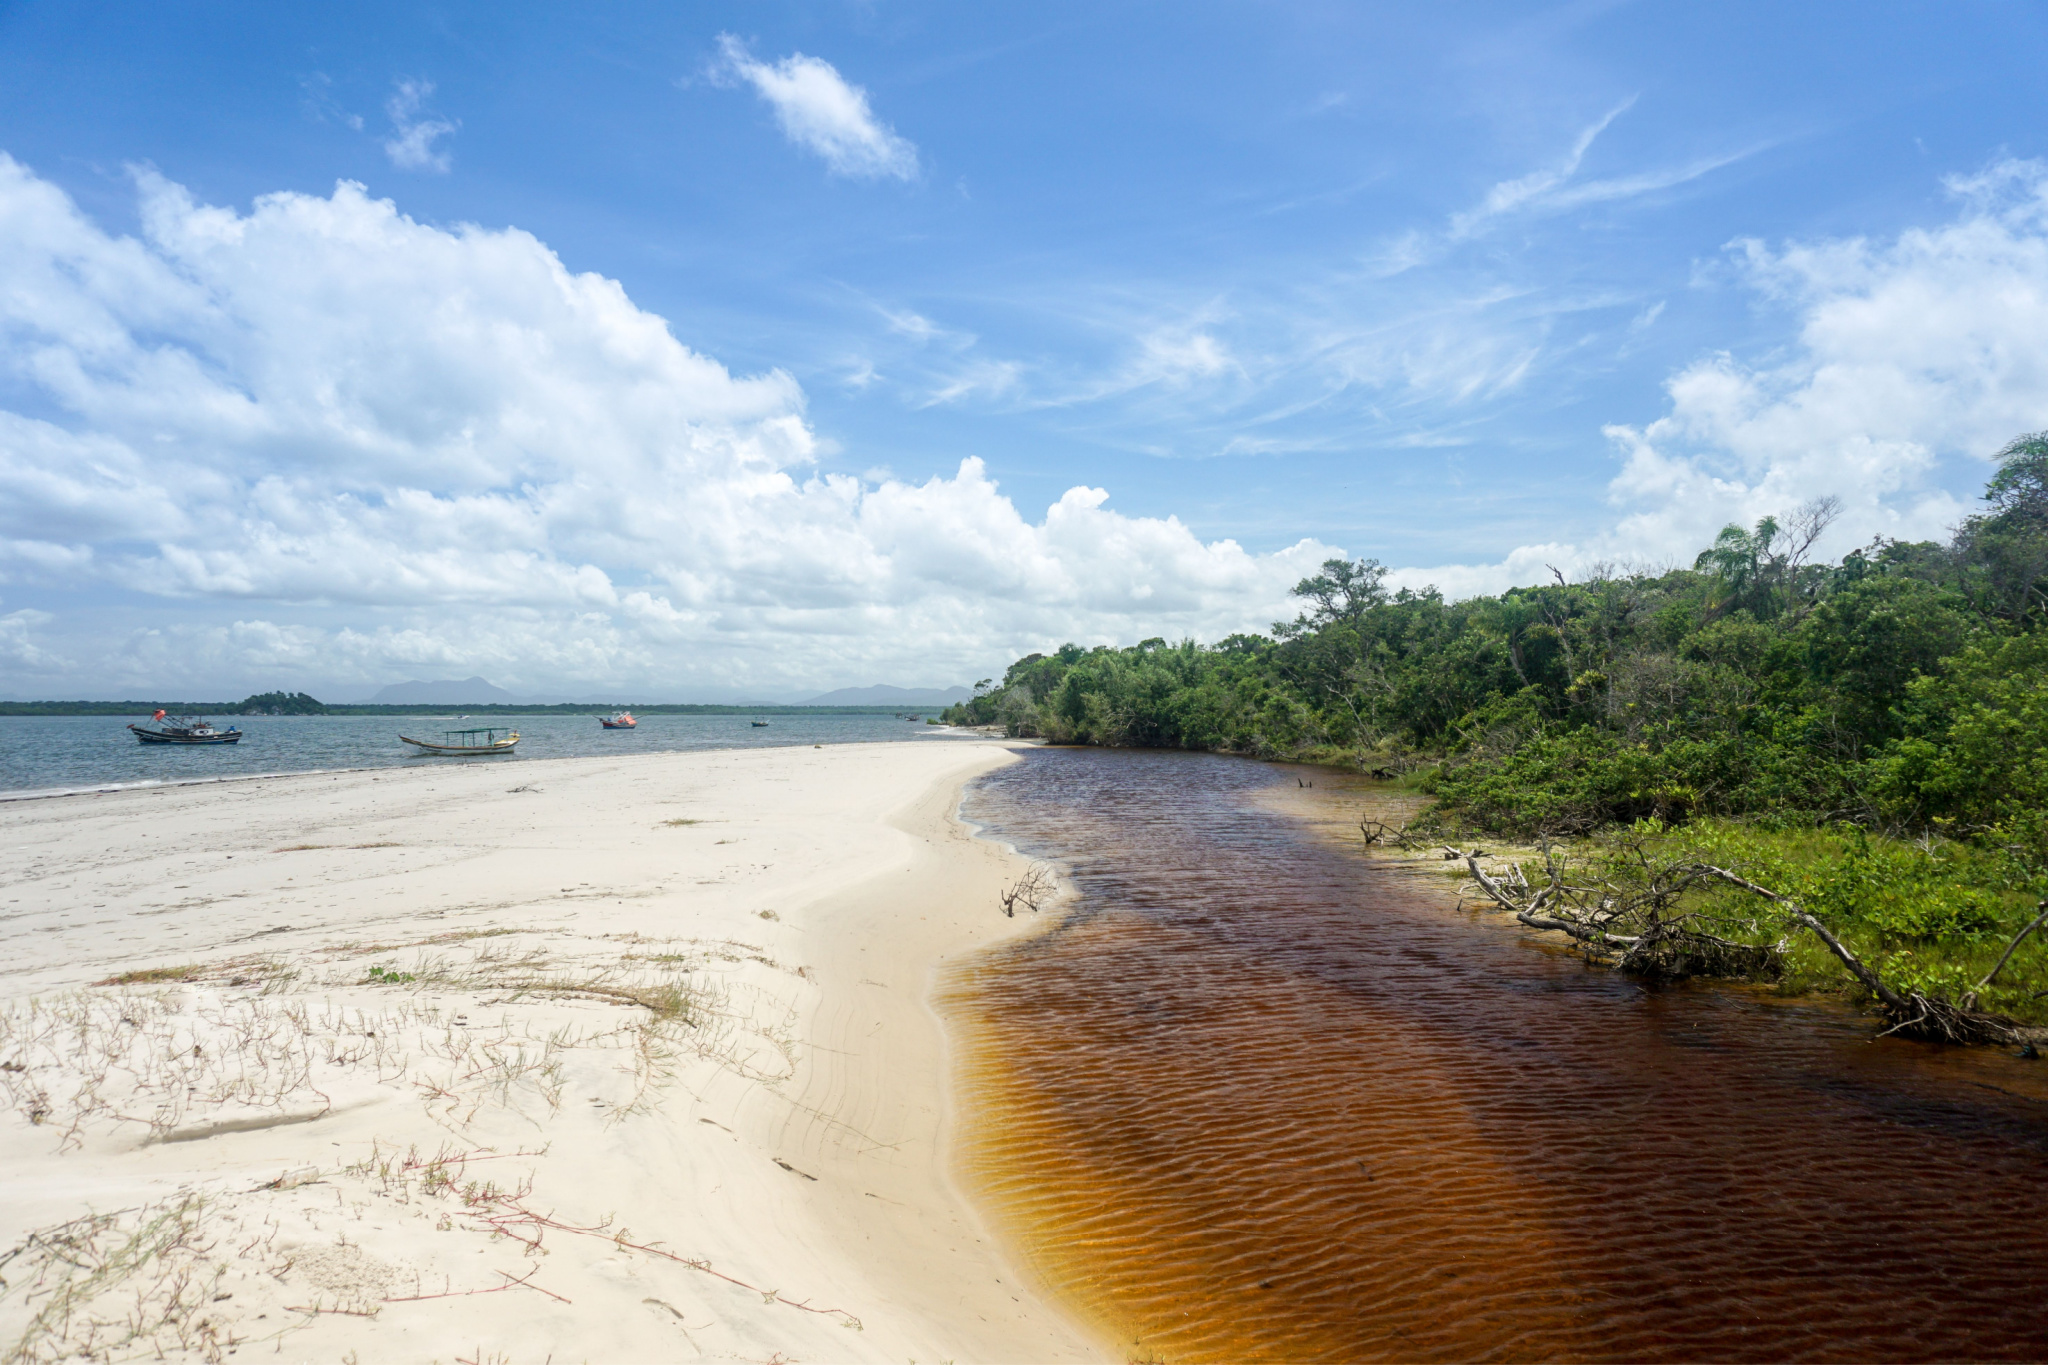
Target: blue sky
[(1473, 289)]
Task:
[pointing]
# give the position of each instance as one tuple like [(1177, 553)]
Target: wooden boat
[(185, 730), (623, 720), (467, 743)]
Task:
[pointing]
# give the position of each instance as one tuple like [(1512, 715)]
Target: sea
[(49, 755)]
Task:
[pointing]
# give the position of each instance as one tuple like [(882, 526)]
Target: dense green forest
[(282, 704), (1898, 694)]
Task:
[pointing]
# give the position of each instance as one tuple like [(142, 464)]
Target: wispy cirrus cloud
[(1555, 188), (979, 378), (414, 131), (821, 111), (923, 331), (1510, 195), (321, 104)]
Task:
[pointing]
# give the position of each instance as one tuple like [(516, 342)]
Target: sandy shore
[(588, 1059)]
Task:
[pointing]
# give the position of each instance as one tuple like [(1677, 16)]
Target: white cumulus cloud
[(1911, 355), (821, 111), (321, 440)]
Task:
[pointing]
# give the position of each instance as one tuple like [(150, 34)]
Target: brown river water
[(1259, 1096)]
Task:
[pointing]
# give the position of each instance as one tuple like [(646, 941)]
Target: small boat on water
[(758, 724), (622, 720), (185, 730), (467, 743)]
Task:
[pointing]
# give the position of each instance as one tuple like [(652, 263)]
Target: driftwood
[(1893, 1002), (1913, 1013), (1031, 891), (1380, 832), (1970, 1000), (1669, 941)]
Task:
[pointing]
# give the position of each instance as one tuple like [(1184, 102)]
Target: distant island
[(299, 704), (478, 696)]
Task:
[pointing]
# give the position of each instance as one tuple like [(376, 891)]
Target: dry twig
[(1031, 890)]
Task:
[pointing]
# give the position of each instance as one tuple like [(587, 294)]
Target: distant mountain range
[(881, 694), (479, 692), (468, 692)]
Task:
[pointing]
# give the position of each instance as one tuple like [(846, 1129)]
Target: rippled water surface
[(1260, 1098), (63, 753)]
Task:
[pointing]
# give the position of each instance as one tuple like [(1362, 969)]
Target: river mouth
[(1257, 1097)]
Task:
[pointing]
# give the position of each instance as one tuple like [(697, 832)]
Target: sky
[(731, 351)]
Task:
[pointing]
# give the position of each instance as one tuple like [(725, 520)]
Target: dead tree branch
[(1032, 890), (1970, 1000), (1529, 911), (1379, 832), (1872, 982), (1913, 1013), (1646, 920)]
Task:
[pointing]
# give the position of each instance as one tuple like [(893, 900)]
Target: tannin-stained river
[(1258, 1097)]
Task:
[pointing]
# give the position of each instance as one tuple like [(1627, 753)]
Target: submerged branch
[(1915, 1013), (1529, 914), (1671, 941), (1892, 1001)]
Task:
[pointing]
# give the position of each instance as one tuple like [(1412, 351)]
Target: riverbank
[(596, 1058), (1312, 1107)]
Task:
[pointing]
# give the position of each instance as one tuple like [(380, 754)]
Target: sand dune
[(591, 1059)]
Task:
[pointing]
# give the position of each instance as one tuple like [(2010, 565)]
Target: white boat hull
[(460, 750)]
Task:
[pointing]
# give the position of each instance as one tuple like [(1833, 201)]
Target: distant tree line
[(1693, 759), (281, 704), (1905, 685)]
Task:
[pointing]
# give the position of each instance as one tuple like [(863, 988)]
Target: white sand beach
[(623, 1059)]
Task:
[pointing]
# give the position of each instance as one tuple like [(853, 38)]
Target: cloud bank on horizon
[(331, 442), (386, 447)]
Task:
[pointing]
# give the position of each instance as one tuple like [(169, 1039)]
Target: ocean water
[(73, 753)]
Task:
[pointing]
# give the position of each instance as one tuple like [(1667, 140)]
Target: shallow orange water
[(1260, 1098)]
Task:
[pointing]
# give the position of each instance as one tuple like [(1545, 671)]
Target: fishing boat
[(758, 724), (622, 720), (467, 743), (185, 730)]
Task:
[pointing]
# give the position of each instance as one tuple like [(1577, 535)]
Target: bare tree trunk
[(1857, 969), (1970, 1000)]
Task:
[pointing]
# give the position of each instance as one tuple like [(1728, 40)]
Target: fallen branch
[(522, 1282), (516, 1214), (1892, 1000), (1380, 832), (1030, 891), (1970, 1000), (1528, 914), (1915, 1014), (1671, 937)]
